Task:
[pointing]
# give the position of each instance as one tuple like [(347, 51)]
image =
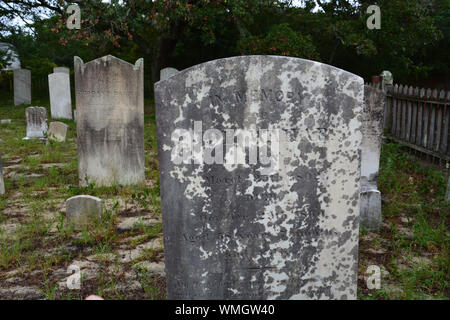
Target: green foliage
[(280, 40)]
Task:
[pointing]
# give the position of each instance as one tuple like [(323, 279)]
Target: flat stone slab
[(79, 209), (57, 131), (5, 121), (36, 122), (260, 178)]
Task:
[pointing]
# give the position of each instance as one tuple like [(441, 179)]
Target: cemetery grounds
[(121, 256)]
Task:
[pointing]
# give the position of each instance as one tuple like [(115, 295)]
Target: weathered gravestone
[(61, 69), (2, 182), (22, 86), (60, 100), (110, 121), (372, 129), (260, 179), (57, 131), (167, 72), (36, 122), (80, 209)]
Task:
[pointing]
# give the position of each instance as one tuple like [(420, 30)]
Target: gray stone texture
[(22, 86), (60, 99), (283, 228), (80, 209), (36, 122), (110, 121), (2, 182), (61, 69), (167, 73), (373, 115), (57, 131)]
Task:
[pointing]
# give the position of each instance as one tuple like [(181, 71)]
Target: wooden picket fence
[(419, 119)]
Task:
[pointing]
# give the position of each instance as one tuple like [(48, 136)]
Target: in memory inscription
[(260, 178)]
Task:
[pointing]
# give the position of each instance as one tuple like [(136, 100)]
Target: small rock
[(152, 267), (131, 223)]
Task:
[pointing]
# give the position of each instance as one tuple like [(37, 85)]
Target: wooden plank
[(432, 133), (439, 122), (446, 128), (409, 111), (414, 117), (394, 115), (403, 124), (420, 118), (394, 110), (425, 121)]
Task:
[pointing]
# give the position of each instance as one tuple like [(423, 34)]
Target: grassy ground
[(121, 256)]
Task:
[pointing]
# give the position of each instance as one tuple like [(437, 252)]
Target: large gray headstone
[(110, 121), (373, 114), (167, 72), (61, 69), (36, 122), (22, 86), (60, 99), (2, 182), (241, 222)]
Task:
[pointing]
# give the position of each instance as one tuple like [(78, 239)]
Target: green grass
[(43, 241), (415, 190)]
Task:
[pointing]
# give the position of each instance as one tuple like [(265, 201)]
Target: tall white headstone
[(60, 98), (370, 157)]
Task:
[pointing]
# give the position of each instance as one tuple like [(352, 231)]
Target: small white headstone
[(79, 209), (57, 131), (167, 73), (36, 122)]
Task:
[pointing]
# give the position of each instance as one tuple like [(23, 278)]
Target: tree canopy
[(412, 41)]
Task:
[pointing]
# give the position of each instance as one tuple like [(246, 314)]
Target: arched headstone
[(260, 179), (110, 121)]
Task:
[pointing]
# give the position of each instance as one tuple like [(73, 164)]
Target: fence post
[(387, 86)]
